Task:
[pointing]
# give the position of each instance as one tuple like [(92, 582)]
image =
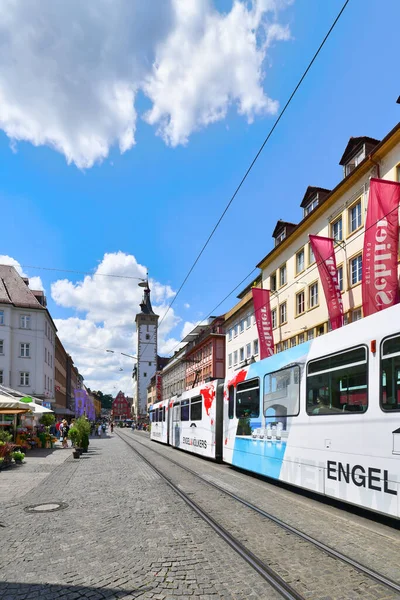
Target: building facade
[(289, 270), (60, 378), (173, 376), (27, 338), (205, 353), (146, 366), (121, 408), (241, 330)]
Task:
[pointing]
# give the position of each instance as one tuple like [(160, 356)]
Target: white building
[(146, 327), (241, 330), (27, 337)]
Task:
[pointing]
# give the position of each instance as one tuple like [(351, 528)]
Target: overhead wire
[(282, 112)]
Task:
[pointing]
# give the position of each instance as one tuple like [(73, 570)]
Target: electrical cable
[(256, 157)]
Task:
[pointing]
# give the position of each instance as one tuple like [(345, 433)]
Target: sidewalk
[(16, 481), (121, 533)]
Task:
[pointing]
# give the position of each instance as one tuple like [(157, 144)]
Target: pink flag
[(324, 253), (262, 311), (381, 244)]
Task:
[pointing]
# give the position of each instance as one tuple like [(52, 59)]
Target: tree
[(106, 400)]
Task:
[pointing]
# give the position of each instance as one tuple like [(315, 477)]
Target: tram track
[(251, 557)]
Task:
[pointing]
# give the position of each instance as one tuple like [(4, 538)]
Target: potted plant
[(18, 457), (83, 426), (74, 436)]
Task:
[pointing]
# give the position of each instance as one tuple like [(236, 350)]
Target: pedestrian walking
[(58, 429), (99, 430), (112, 427), (64, 433)]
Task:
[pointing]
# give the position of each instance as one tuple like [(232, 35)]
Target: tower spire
[(145, 304)]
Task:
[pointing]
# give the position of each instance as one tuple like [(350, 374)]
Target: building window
[(300, 262), (310, 334), (301, 338), (356, 315), (300, 303), (282, 313), (242, 326), (25, 322), (277, 348), (248, 350), (293, 342), (337, 230), (356, 269), (1, 317), (248, 321), (229, 360), (313, 295), (1, 346), (285, 345), (241, 354), (272, 282), (311, 257), (24, 350), (144, 374), (255, 347), (235, 357), (340, 278), (24, 378), (280, 237), (398, 173), (355, 217), (235, 330), (45, 355), (311, 205), (147, 336), (230, 334), (320, 330), (282, 275), (273, 318), (1, 377)]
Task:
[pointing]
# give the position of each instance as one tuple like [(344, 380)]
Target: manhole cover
[(48, 507)]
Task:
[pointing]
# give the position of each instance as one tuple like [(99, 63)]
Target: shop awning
[(12, 406)]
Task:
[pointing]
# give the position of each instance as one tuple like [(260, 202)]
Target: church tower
[(146, 366)]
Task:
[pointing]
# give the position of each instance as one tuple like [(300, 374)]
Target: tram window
[(231, 404), (152, 416), (338, 384), (282, 393), (196, 405), (248, 399), (390, 374), (163, 413), (185, 410)]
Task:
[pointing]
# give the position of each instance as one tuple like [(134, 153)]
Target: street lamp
[(123, 354)]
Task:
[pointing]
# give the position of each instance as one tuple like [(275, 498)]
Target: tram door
[(219, 421), (176, 430)]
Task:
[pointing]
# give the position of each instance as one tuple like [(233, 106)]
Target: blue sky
[(159, 203)]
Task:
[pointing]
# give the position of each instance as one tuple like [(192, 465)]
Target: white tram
[(324, 415)]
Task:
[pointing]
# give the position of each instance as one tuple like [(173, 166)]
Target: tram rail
[(274, 579)]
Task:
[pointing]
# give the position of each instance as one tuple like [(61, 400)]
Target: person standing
[(99, 430), (112, 427)]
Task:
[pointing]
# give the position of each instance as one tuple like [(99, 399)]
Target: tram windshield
[(248, 399)]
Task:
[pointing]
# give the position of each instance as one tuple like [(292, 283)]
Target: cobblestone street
[(123, 534)]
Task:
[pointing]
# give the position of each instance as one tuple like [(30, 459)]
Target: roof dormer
[(312, 198), (356, 150), (282, 230)]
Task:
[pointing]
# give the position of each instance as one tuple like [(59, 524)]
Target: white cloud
[(70, 71), (35, 283), (186, 305), (105, 319)]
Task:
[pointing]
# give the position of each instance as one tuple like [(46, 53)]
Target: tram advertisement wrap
[(262, 312), (379, 262), (324, 253)]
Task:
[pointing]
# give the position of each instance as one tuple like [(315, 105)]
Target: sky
[(125, 127)]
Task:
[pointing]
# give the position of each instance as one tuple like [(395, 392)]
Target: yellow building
[(299, 310)]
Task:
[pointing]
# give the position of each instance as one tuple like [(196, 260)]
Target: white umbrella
[(38, 409), (7, 403)]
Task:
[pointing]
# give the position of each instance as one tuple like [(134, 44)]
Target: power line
[(256, 157), (82, 272)]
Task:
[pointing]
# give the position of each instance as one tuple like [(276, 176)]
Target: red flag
[(324, 253), (262, 312), (381, 244)]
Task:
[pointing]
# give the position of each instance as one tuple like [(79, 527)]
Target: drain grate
[(47, 507)]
